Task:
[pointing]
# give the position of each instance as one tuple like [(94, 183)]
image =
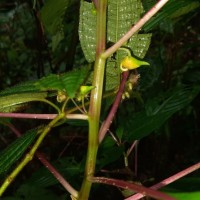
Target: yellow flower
[(129, 63), (84, 89)]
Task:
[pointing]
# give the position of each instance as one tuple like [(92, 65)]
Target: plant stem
[(48, 165), (135, 28), (95, 101), (42, 116), (57, 175), (106, 125), (29, 155), (167, 181), (131, 186)]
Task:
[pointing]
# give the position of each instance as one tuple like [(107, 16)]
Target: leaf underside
[(122, 15)]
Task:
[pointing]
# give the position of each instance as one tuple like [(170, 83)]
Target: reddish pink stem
[(130, 186), (167, 181), (106, 124), (28, 115), (57, 175), (42, 116)]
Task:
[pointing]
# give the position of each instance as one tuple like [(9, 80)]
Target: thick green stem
[(95, 101)]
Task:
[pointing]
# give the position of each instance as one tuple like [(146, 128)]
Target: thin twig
[(132, 146)]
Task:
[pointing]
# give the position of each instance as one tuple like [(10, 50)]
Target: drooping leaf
[(9, 103), (20, 88), (52, 15), (68, 82), (145, 122), (15, 150)]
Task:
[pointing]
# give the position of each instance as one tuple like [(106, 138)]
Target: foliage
[(39, 39), (138, 43), (15, 150)]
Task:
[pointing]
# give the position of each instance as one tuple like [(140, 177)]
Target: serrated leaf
[(122, 14), (143, 123), (68, 82), (11, 102), (15, 150), (139, 44)]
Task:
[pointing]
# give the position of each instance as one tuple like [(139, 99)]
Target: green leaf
[(14, 97), (113, 152), (122, 14), (20, 88), (9, 103), (120, 132), (171, 10), (15, 150), (68, 82), (184, 189), (87, 30), (158, 112), (52, 15), (68, 167)]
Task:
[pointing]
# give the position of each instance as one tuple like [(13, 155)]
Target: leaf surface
[(147, 121), (9, 103), (68, 82), (15, 150), (121, 16), (52, 15)]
